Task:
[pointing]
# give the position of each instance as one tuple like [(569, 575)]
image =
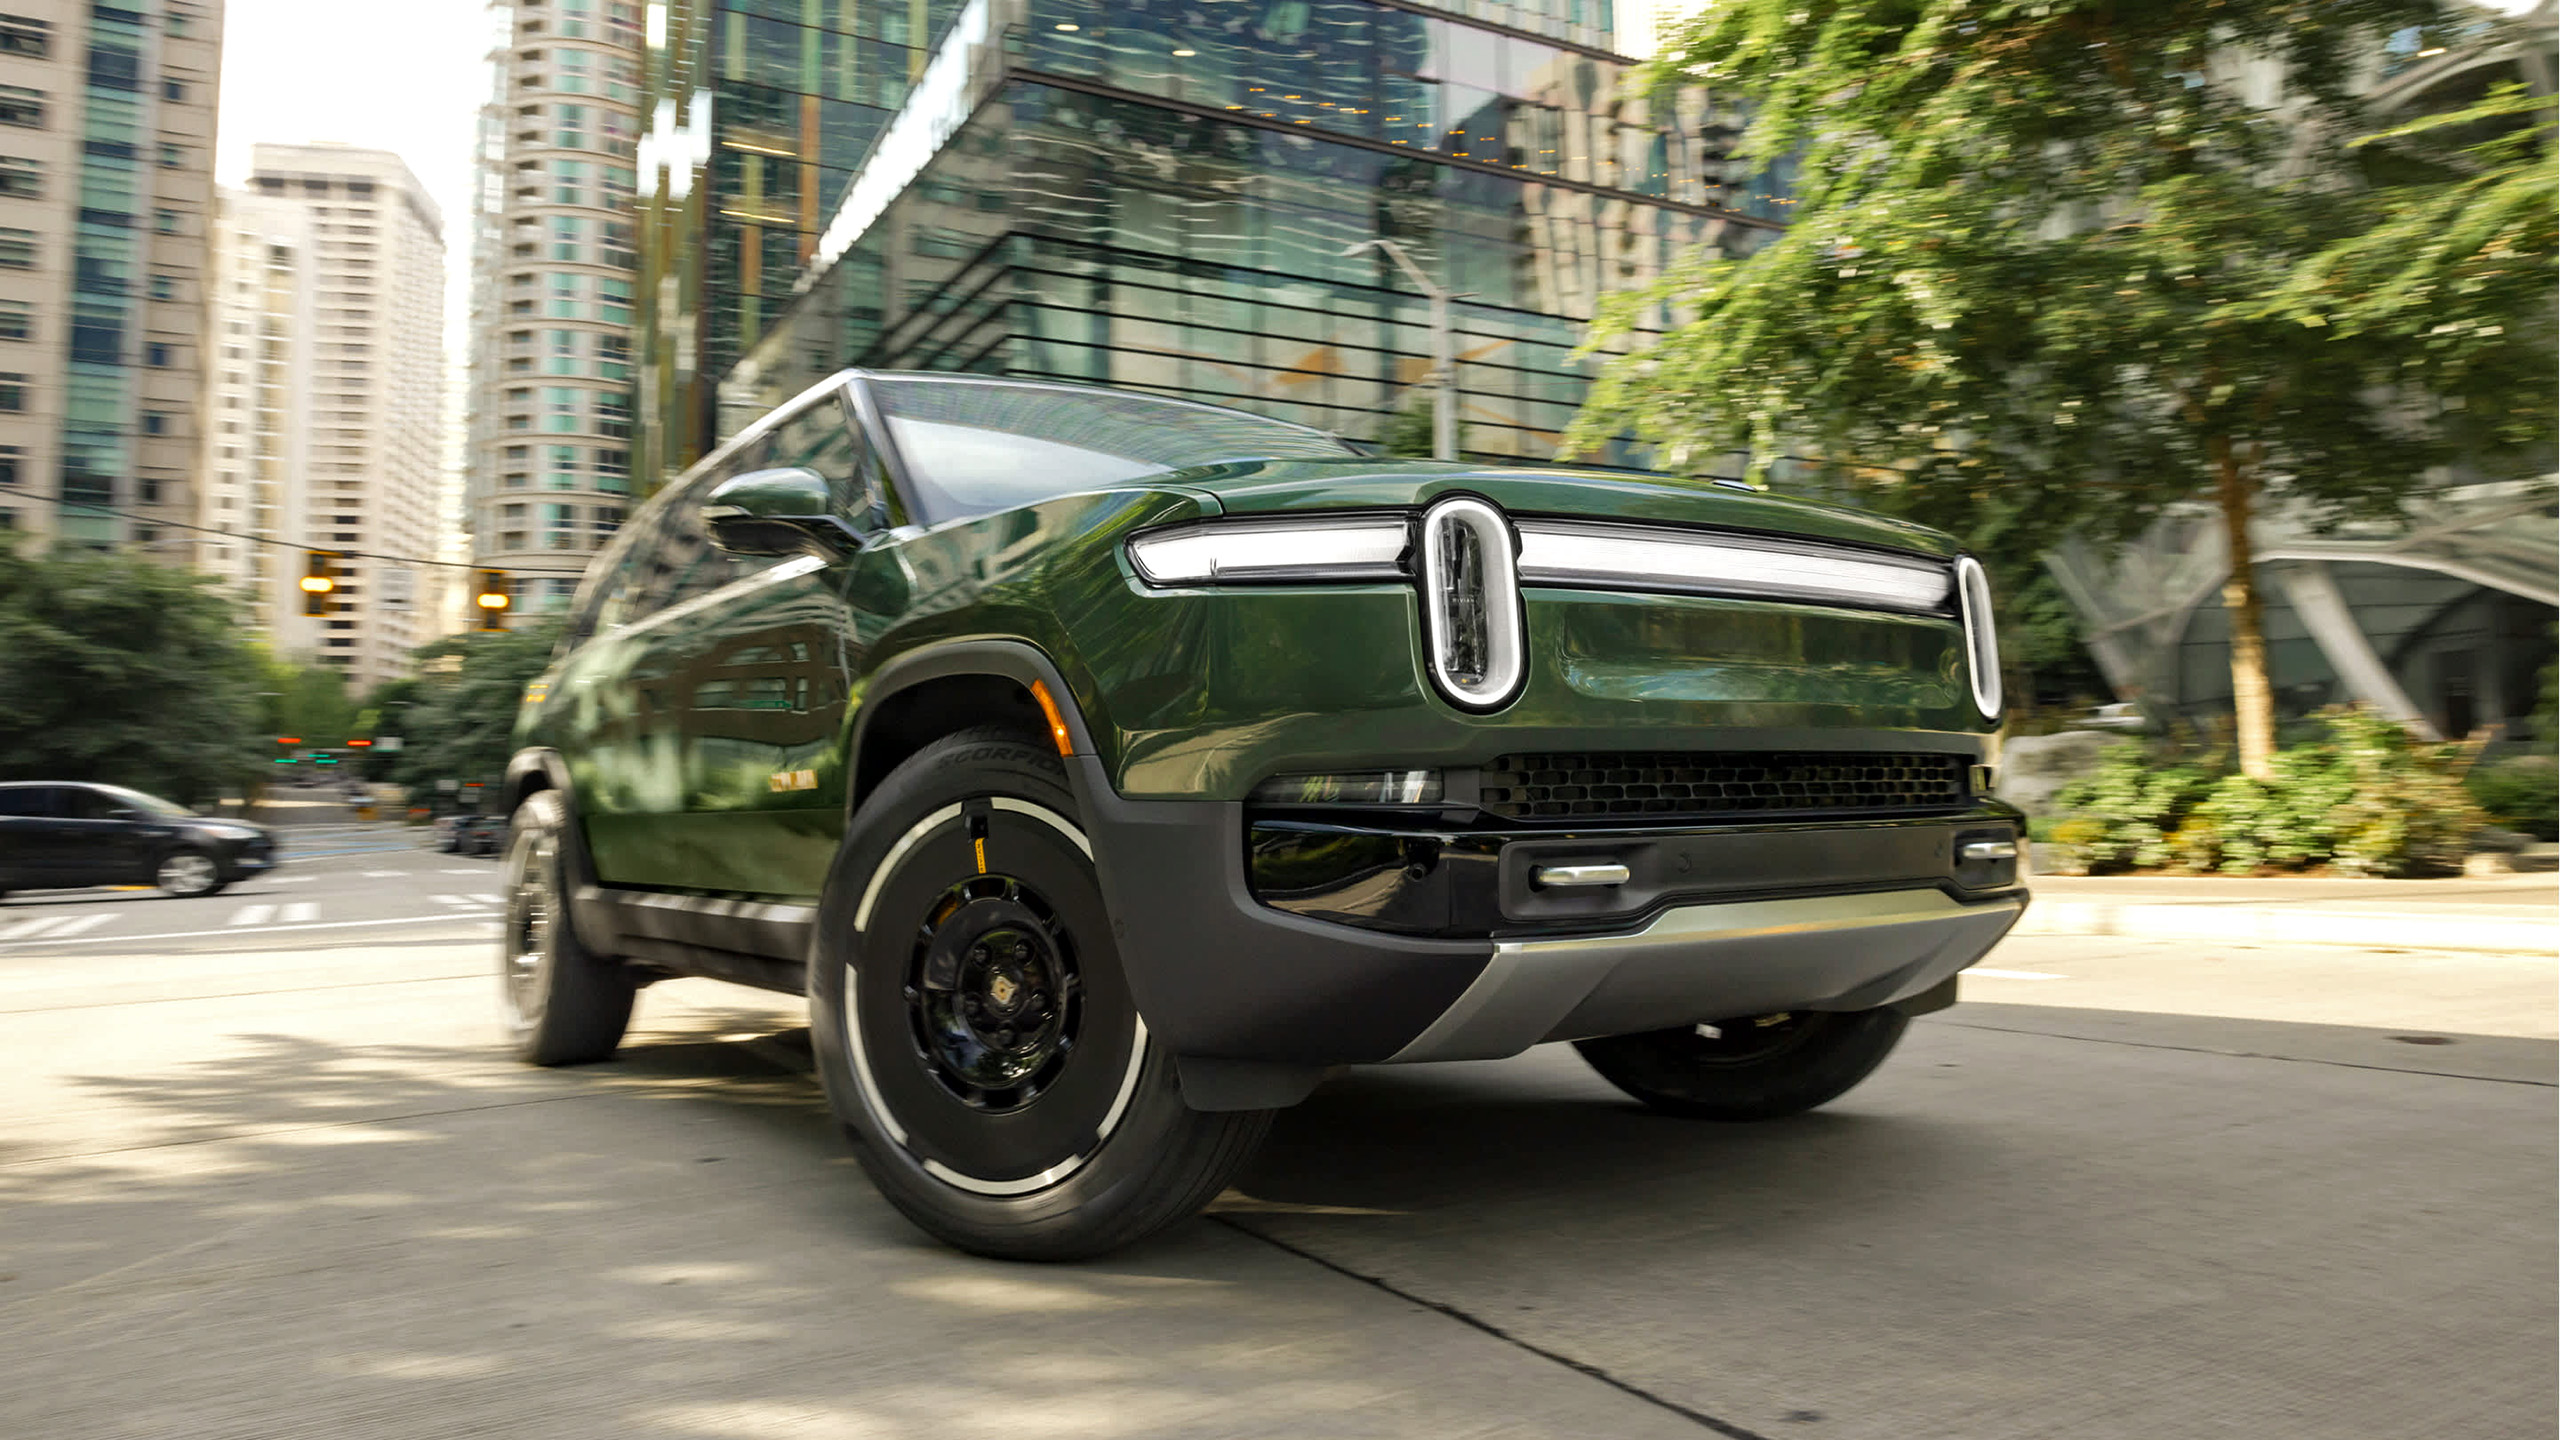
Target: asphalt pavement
[(258, 1181)]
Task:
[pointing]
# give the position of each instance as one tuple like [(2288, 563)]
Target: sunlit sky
[(408, 76)]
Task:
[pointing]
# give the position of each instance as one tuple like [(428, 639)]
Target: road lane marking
[(485, 927), (304, 911), (465, 870), (1990, 974), (48, 926), (253, 914), (386, 874), (465, 902)]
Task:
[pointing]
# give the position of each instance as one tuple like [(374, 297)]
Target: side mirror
[(777, 512)]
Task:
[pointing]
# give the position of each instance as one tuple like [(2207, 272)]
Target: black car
[(54, 836)]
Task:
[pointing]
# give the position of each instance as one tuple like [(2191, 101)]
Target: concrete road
[(2126, 1190)]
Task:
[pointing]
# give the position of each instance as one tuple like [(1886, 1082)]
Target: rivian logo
[(1471, 603)]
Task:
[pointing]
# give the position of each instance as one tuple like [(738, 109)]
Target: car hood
[(1278, 486)]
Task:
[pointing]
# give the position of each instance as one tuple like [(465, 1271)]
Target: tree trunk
[(2253, 699)]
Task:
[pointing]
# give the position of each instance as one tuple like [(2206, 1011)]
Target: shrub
[(2362, 797), (2120, 816), (2521, 792)]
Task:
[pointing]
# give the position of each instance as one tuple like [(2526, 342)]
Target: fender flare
[(1015, 660)]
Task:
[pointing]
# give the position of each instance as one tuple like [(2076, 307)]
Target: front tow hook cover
[(1563, 875)]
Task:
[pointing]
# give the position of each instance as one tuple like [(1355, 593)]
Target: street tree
[(2046, 274), (117, 670), (460, 719)]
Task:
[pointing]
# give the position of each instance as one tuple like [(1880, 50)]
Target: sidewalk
[(2516, 913)]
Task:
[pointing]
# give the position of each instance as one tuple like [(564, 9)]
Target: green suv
[(1106, 769)]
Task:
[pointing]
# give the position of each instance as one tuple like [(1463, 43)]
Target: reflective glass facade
[(756, 114), (1160, 195)]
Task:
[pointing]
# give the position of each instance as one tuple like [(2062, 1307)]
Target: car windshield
[(147, 804), (974, 446)]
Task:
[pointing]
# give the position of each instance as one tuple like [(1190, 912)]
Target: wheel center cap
[(1003, 989)]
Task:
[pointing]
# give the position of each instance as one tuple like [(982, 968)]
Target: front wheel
[(187, 874), (1757, 1068), (975, 1031)]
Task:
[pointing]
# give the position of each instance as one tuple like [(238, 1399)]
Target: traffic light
[(490, 595), (317, 583)]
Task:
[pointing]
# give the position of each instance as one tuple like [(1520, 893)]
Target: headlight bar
[(1628, 557), (1272, 552)]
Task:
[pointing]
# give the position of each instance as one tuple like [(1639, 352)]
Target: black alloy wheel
[(187, 873), (1758, 1067), (975, 1031)]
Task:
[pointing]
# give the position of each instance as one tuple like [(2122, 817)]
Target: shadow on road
[(414, 1238)]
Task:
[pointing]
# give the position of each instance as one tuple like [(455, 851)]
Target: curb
[(2279, 925)]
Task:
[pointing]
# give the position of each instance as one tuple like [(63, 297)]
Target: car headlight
[(1369, 547), (1361, 787)]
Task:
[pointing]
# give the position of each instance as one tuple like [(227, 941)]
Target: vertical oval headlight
[(1470, 597), (1981, 640)]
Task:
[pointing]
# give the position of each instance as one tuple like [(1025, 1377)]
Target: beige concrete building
[(106, 188), (547, 469), (327, 395)]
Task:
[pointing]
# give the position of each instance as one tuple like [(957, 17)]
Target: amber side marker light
[(1057, 722)]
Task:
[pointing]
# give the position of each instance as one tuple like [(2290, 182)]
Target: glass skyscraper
[(1160, 195), (757, 112)]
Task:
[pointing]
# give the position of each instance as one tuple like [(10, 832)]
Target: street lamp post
[(1444, 349)]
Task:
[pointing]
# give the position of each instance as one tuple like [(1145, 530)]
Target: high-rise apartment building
[(106, 189), (548, 464), (327, 401)]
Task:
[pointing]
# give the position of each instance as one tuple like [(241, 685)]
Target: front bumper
[(1222, 975)]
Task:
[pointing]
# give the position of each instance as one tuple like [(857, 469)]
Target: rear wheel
[(974, 1029), (1757, 1068), (565, 1004), (187, 874)]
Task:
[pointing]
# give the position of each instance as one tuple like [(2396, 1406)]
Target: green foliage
[(2120, 816), (2520, 792), (309, 701), (123, 671), (2055, 266), (461, 722), (2362, 799)]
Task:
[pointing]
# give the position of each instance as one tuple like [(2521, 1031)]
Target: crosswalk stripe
[(53, 925), (303, 911), (253, 914)]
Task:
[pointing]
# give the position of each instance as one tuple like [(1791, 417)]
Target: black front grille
[(1721, 784)]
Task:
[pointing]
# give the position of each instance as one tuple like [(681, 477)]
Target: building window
[(560, 407), (17, 249), (8, 464), (21, 177), (13, 392), (568, 177), (164, 287), (159, 356), (165, 221), (573, 128), (21, 106), (559, 527), (20, 35), (157, 422), (172, 90), (17, 320), (172, 156)]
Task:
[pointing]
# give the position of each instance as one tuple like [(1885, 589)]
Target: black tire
[(565, 1004), (974, 1029), (1757, 1068), (188, 873)]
